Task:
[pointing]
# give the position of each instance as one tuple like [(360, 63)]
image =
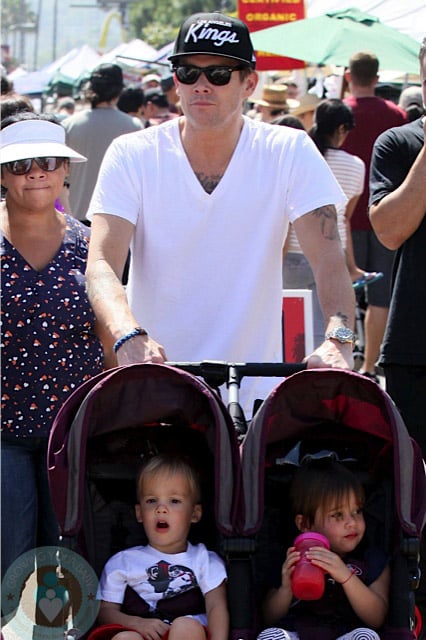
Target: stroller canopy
[(354, 404), (130, 397)]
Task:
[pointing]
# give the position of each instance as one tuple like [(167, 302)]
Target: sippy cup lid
[(312, 535)]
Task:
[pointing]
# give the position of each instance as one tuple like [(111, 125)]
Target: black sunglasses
[(21, 167), (218, 75)]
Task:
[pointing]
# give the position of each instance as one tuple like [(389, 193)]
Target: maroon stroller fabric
[(333, 412), (109, 420), (107, 424)]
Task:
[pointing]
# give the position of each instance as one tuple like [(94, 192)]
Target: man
[(90, 131), (168, 87), (373, 115), (156, 108), (205, 201), (398, 216), (130, 101), (305, 110), (65, 108)]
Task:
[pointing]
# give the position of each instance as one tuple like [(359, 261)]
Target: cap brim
[(174, 57), (21, 151)]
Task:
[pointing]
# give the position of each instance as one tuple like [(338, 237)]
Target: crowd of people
[(201, 197)]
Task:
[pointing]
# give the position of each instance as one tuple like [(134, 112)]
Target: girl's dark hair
[(322, 484), (329, 115), (287, 120)]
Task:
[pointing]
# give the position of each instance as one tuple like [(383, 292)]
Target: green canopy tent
[(69, 76), (335, 36)]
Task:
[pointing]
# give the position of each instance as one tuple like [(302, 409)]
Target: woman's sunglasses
[(216, 74), (21, 167)]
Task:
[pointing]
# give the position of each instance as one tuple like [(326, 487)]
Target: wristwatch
[(342, 334)]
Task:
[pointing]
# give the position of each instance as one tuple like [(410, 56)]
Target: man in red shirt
[(373, 115)]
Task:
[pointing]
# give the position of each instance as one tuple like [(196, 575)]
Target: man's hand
[(333, 354)]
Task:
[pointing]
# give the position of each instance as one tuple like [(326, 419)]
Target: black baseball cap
[(156, 97), (106, 74), (214, 34)]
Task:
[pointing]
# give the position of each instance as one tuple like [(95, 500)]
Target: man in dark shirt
[(373, 115), (398, 216)]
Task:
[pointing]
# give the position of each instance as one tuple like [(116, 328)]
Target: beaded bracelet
[(137, 331), (352, 573)]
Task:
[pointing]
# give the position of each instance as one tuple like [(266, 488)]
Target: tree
[(17, 18), (15, 13), (157, 21)]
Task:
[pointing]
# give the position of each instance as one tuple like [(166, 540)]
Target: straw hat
[(307, 102), (35, 138), (275, 96)]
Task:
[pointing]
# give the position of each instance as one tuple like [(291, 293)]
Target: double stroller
[(111, 422)]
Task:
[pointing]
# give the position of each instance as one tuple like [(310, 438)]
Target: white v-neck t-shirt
[(205, 271)]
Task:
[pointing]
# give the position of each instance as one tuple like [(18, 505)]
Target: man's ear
[(251, 82), (197, 513), (138, 512)]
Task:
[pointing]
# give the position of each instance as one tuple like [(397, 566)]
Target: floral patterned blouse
[(48, 343)]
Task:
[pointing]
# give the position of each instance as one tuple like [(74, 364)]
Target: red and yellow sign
[(261, 14)]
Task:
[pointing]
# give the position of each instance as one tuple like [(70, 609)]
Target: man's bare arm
[(399, 214), (320, 242), (108, 250)]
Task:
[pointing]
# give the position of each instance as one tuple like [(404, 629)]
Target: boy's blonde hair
[(170, 465)]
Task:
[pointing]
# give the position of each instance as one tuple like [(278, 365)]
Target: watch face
[(343, 334)]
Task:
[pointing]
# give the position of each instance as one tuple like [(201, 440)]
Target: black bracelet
[(137, 331)]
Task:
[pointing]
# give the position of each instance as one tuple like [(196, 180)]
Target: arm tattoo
[(342, 317), (328, 221), (209, 183)]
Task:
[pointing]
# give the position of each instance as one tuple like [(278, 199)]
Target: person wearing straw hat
[(205, 201), (274, 102), (49, 346), (305, 110)]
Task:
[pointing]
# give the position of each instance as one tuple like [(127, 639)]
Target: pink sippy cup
[(307, 580)]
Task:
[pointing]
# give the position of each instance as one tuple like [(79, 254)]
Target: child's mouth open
[(162, 526)]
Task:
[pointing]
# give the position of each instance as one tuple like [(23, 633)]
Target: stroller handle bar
[(223, 372), (216, 373)]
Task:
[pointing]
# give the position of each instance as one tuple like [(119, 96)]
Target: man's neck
[(362, 92)]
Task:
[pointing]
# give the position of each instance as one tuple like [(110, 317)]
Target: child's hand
[(330, 562), (287, 569), (151, 628)]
